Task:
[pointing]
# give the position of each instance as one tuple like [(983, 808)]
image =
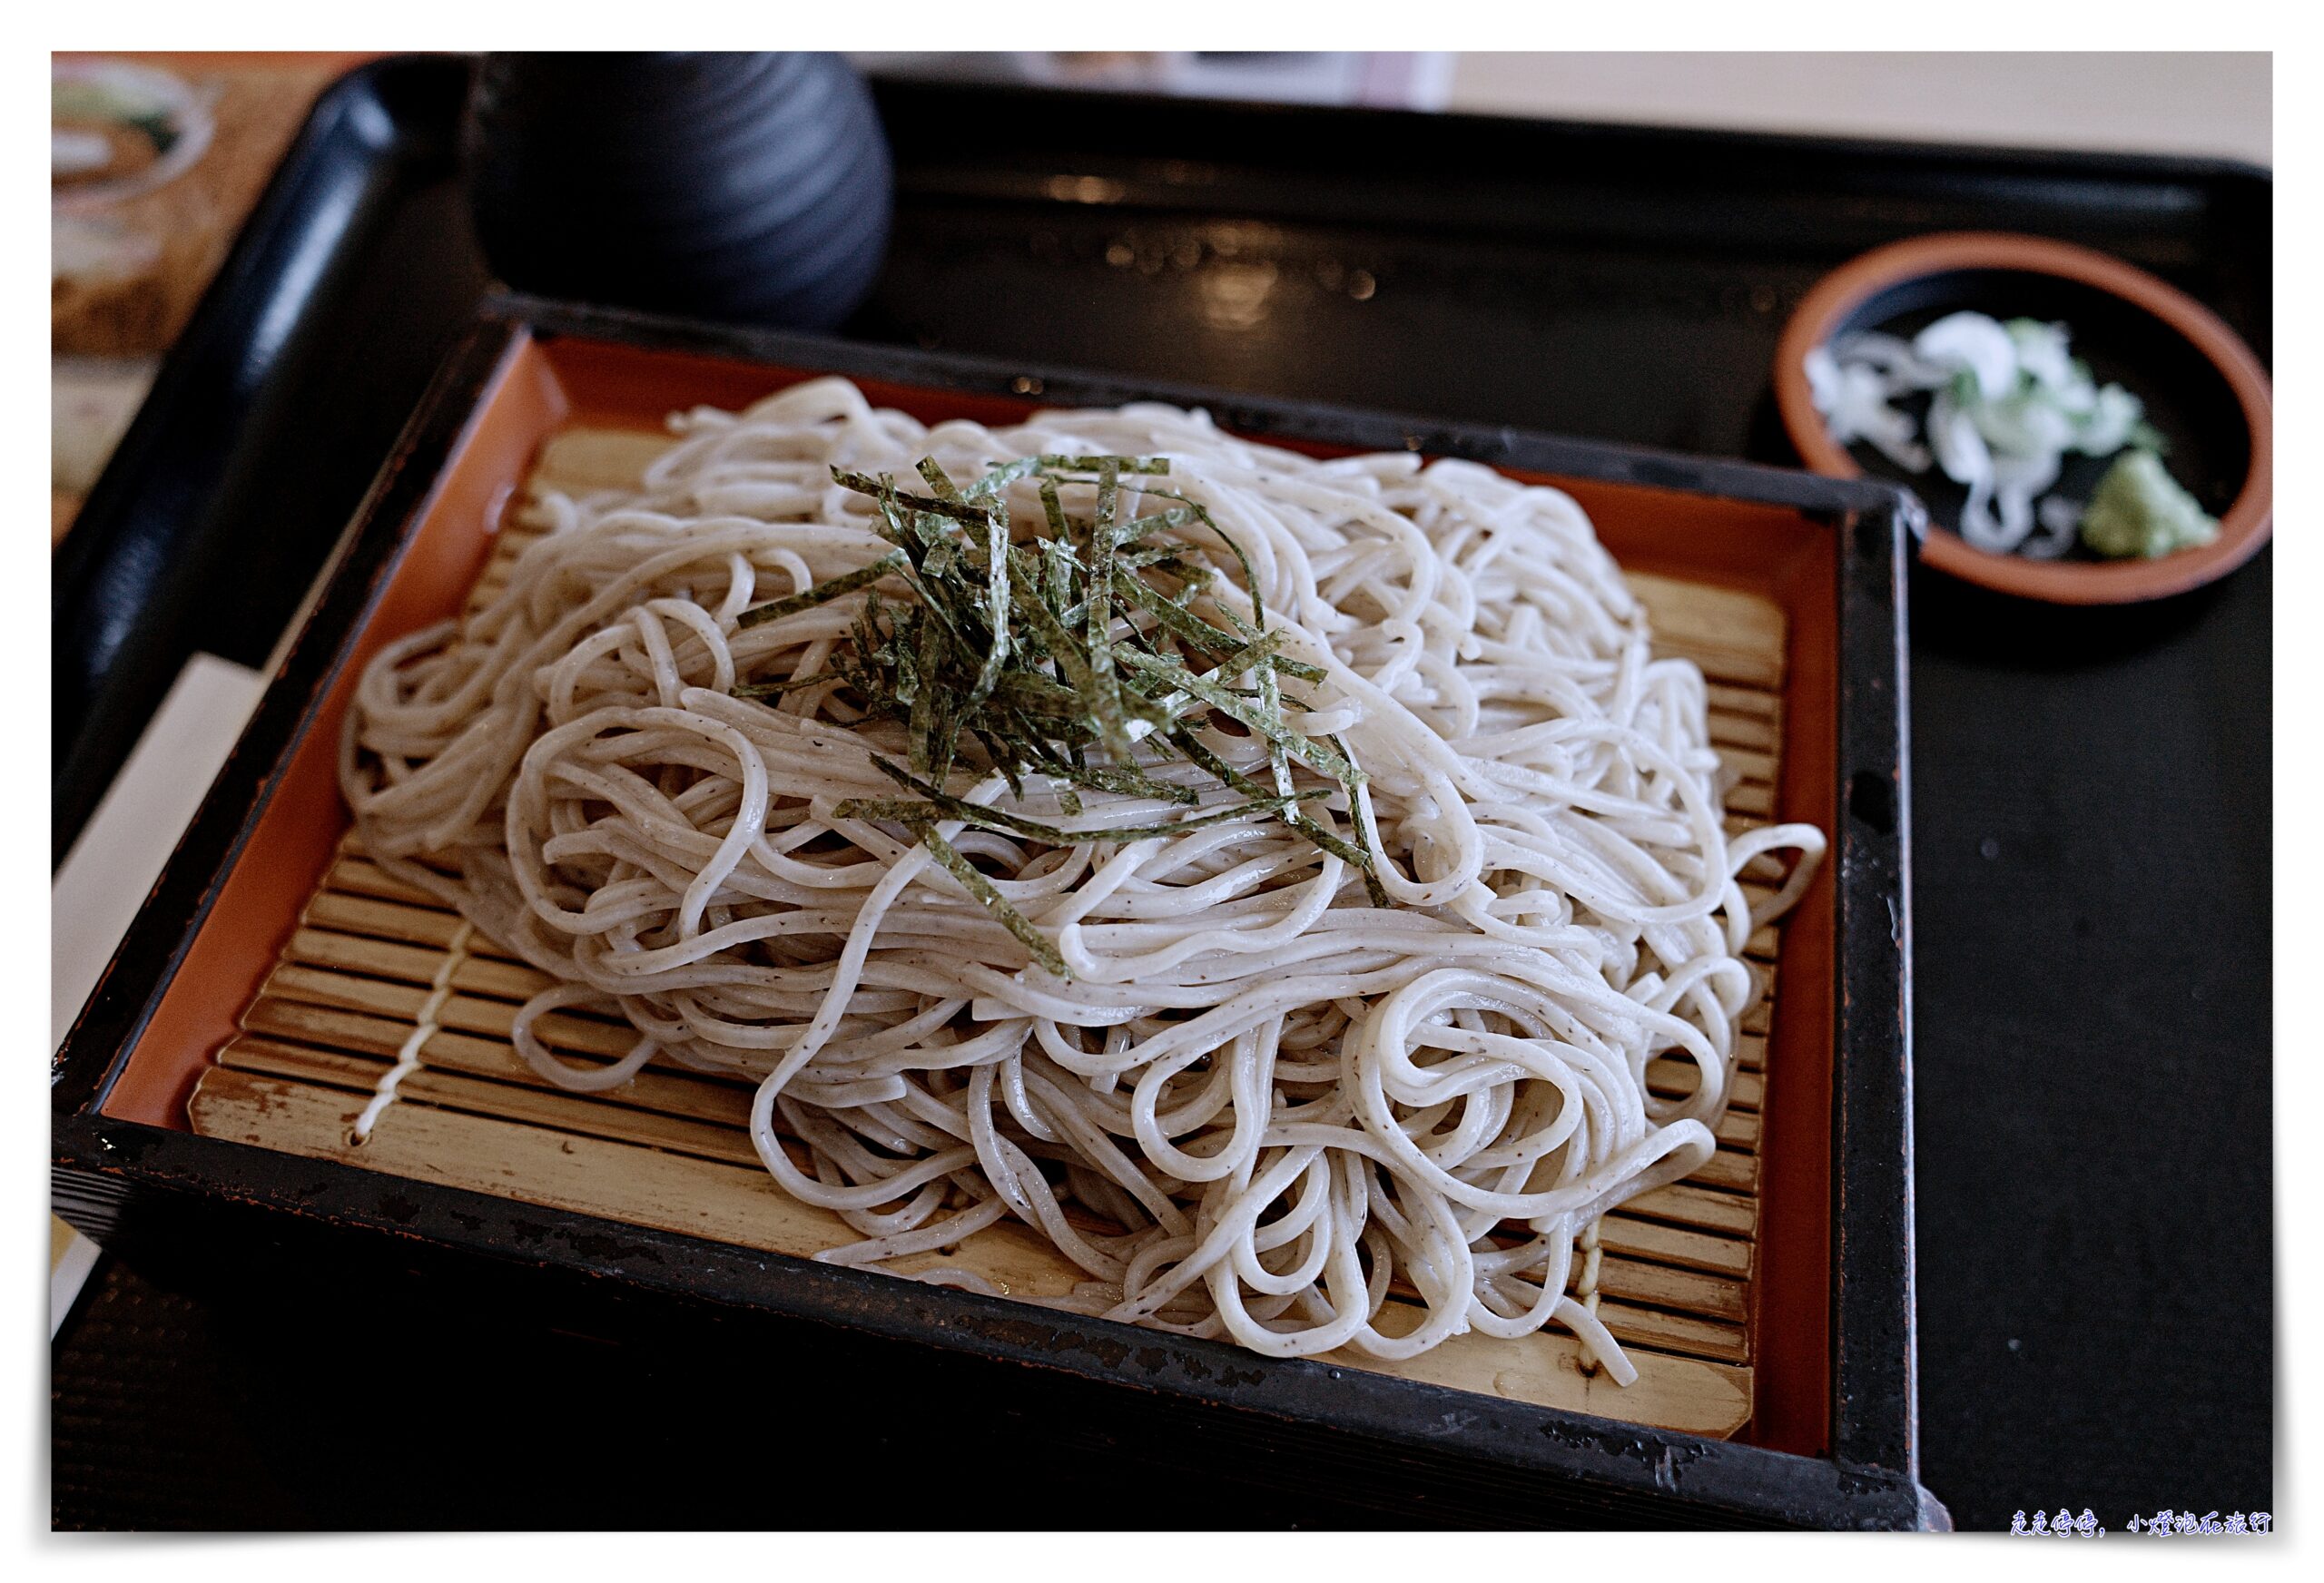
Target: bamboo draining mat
[(671, 1149)]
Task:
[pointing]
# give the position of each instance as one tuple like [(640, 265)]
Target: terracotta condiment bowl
[(2202, 387)]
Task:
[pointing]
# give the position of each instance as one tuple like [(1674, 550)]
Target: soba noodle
[(1258, 1102)]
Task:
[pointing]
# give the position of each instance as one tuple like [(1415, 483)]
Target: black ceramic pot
[(747, 187)]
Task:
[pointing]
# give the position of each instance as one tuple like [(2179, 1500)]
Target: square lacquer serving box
[(205, 1097)]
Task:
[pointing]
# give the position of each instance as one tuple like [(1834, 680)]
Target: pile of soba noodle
[(1258, 1102)]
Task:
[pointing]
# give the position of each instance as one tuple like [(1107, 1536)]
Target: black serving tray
[(2083, 802)]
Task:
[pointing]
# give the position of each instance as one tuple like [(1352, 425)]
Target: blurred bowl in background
[(128, 244), (117, 130)]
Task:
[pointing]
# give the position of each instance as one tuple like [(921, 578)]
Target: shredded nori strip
[(822, 593), (1089, 632), (1016, 922), (1000, 822)]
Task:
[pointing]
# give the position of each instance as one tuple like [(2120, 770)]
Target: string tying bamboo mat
[(373, 957)]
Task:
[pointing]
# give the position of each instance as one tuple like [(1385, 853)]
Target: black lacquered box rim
[(118, 1179)]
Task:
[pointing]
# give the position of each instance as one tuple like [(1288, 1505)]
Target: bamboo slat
[(672, 1150), (706, 1198)]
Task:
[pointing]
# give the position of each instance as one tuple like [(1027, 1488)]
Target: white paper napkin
[(113, 866)]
